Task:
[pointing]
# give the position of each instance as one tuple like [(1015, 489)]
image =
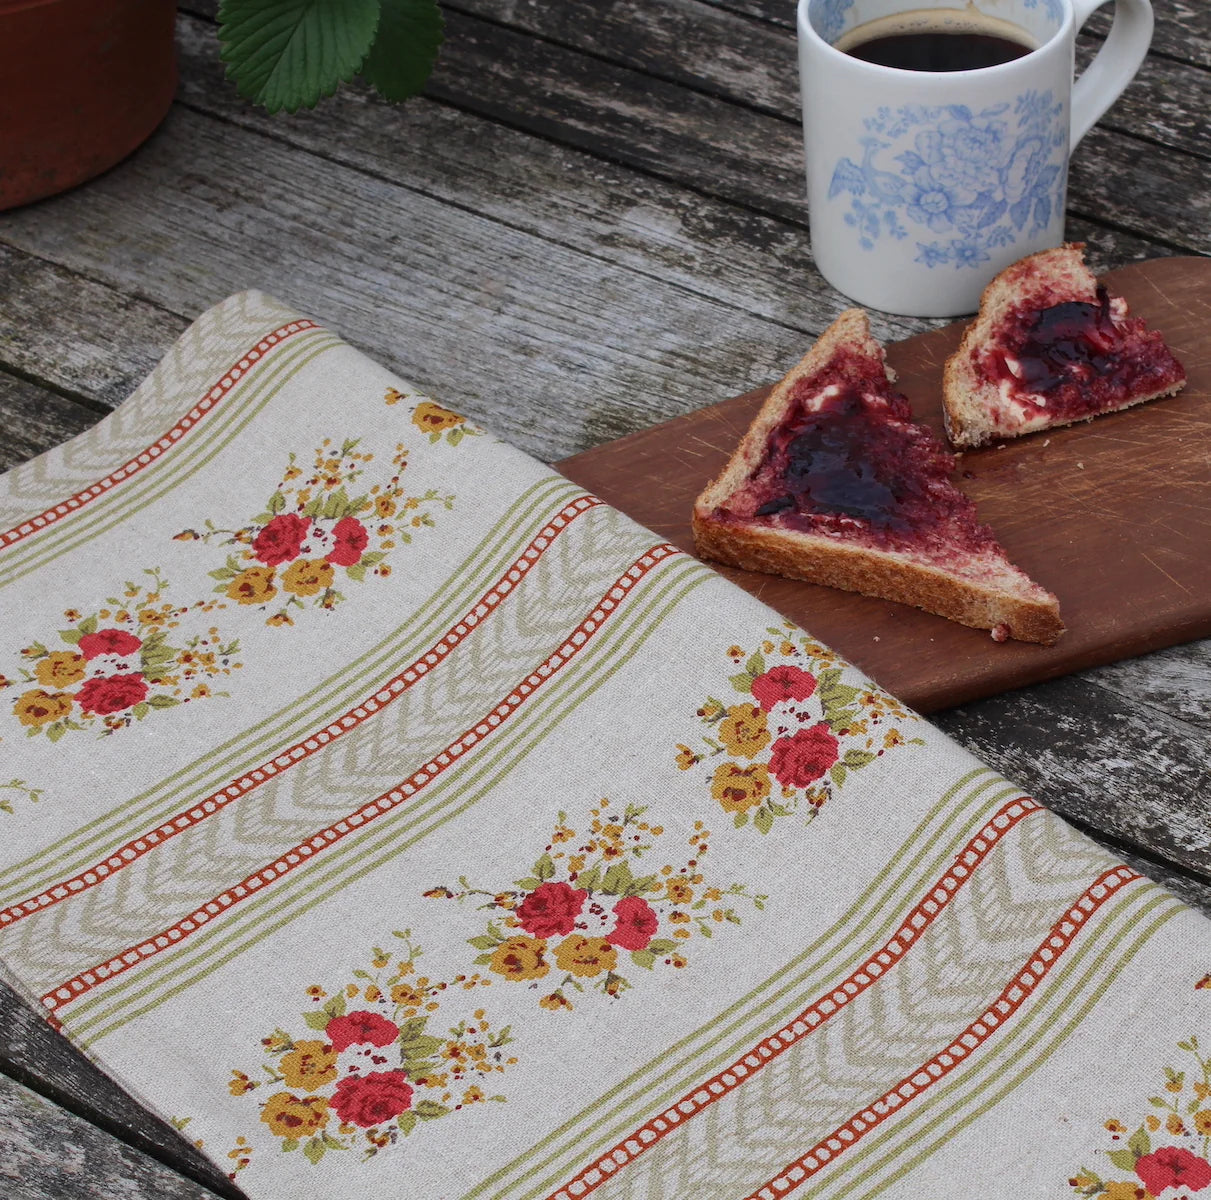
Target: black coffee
[(933, 50)]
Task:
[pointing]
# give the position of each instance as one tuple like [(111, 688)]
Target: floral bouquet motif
[(120, 666), (799, 727), (1170, 1148), (963, 182), (317, 530), (373, 1069), (583, 911)]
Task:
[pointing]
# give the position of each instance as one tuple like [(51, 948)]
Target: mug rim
[(808, 31)]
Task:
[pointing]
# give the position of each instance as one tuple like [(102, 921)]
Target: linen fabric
[(398, 819)]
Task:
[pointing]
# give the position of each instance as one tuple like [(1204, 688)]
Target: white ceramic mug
[(922, 186)]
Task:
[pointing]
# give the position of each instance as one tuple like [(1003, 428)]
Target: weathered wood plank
[(73, 334), (755, 63), (32, 1053), (47, 1153), (33, 419), (1183, 27)]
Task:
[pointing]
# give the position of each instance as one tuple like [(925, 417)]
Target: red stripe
[(385, 695), (146, 457), (974, 1035), (1013, 996), (79, 985), (918, 919)]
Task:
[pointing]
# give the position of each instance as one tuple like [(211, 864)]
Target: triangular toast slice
[(836, 484), (1049, 347)]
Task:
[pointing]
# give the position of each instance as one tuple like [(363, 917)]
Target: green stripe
[(1027, 1037), (387, 831), (816, 976), (207, 774), (198, 449)]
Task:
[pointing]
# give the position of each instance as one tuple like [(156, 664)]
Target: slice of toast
[(1050, 347), (835, 483)]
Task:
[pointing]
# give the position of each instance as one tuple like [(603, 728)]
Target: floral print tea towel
[(399, 819)]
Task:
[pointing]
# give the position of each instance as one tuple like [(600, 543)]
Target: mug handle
[(1114, 66)]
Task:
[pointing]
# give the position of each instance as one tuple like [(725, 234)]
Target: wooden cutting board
[(1113, 515)]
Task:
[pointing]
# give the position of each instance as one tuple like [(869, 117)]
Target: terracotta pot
[(82, 83)]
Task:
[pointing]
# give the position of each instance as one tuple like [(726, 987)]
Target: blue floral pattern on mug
[(828, 17), (973, 180)]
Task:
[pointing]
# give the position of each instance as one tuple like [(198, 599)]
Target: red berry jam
[(849, 461), (1078, 358)]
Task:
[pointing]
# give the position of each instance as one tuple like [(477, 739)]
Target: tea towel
[(402, 820)]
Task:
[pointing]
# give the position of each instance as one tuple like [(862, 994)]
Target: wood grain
[(1112, 515)]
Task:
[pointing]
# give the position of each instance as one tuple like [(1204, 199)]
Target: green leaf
[(289, 53), (482, 960), (644, 958), (357, 572), (277, 502), (484, 942), (588, 880), (662, 945), (430, 1110), (405, 48), (163, 701), (316, 1019), (421, 1047), (289, 1144), (314, 1150), (755, 665), (858, 758), (544, 868), (645, 883), (617, 879), (742, 682), (407, 1122), (529, 883), (70, 636), (140, 710), (763, 819), (1139, 1143), (88, 625), (740, 820), (1125, 1160), (837, 773)]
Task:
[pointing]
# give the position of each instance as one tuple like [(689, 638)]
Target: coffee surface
[(939, 51), (937, 40)]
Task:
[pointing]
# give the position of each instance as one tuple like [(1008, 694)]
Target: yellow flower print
[(679, 892), (432, 418), (520, 958), (41, 708), (310, 1065), (744, 730), (385, 506), (239, 1083), (585, 956), (291, 1116), (1202, 1121), (60, 668), (253, 586), (308, 576), (1125, 1190), (686, 758), (740, 788), (556, 1002)]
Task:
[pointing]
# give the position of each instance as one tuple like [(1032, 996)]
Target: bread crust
[(1006, 599), (1030, 282)]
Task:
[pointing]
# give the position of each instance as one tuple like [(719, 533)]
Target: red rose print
[(1172, 1166), (281, 540), (108, 641), (351, 540), (802, 759), (551, 909), (636, 924), (367, 1100), (782, 683), (355, 1027), (112, 693)]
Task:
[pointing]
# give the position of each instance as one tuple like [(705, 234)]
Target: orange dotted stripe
[(133, 850), (79, 985), (1014, 995), (145, 458), (921, 916)]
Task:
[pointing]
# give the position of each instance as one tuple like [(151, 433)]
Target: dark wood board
[(1113, 515)]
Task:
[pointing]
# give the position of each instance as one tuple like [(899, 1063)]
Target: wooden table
[(593, 221)]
